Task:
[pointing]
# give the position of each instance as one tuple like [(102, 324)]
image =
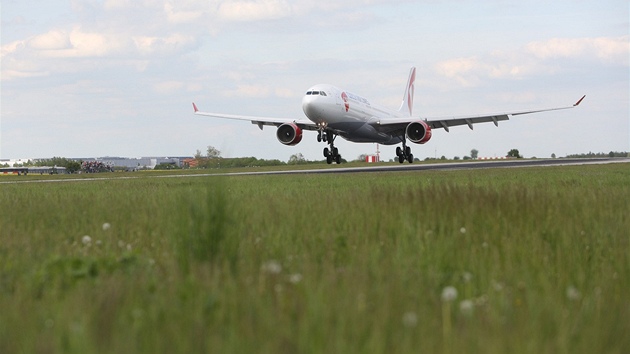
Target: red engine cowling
[(289, 134), (418, 132)]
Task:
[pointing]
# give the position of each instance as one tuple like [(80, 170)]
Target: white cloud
[(54, 39), (608, 49), (177, 13), (170, 44), (168, 87), (535, 58), (257, 10), (249, 91)]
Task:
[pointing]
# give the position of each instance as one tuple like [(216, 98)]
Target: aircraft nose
[(309, 107)]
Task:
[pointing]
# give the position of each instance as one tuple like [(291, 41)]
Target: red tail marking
[(195, 107), (579, 101)]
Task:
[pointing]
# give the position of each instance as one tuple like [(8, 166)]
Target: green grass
[(320, 263)]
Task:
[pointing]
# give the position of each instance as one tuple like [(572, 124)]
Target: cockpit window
[(321, 93)]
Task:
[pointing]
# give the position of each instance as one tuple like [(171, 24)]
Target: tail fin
[(407, 103)]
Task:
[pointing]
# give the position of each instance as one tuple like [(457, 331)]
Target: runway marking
[(384, 168)]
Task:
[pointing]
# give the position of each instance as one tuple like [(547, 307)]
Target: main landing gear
[(404, 153), (331, 154)]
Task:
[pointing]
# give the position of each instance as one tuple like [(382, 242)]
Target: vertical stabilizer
[(407, 103)]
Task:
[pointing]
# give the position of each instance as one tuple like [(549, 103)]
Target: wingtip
[(579, 101), (195, 107)]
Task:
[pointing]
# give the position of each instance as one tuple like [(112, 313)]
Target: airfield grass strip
[(493, 261)]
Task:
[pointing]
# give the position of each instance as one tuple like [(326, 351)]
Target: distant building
[(372, 158), (140, 163)]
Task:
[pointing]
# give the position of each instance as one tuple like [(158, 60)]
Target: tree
[(514, 153), (296, 159), (474, 153), (213, 152), (553, 156)]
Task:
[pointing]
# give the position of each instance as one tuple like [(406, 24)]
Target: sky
[(93, 78)]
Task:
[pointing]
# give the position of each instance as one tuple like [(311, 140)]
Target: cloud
[(535, 58), (178, 12), (170, 44), (257, 10), (54, 39), (610, 50), (168, 87), (249, 91)]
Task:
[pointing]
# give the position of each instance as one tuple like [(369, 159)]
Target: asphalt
[(406, 167)]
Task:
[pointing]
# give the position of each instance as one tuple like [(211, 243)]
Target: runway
[(444, 166), (468, 165)]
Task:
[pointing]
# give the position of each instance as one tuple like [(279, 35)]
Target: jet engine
[(418, 132), (289, 134)]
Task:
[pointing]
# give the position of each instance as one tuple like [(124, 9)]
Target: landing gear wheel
[(338, 159), (329, 159), (319, 138), (326, 152), (404, 153)]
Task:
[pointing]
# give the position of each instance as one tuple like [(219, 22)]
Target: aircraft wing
[(447, 122), (260, 121)]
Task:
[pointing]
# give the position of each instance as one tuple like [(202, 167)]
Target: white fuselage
[(349, 114)]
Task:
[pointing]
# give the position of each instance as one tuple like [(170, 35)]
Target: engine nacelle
[(418, 132), (289, 134)]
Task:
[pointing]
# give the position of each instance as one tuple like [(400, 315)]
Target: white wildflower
[(86, 240), (466, 307), (462, 230), (295, 278), (449, 294), (572, 293), (106, 226), (410, 319), (272, 267), (467, 277)]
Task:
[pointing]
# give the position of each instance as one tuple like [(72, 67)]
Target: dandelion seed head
[(410, 319), (467, 277), (449, 294), (106, 226), (573, 293), (86, 240), (466, 307), (272, 267), (295, 278), (462, 230)]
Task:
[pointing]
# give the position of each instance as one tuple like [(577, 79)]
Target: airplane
[(334, 112)]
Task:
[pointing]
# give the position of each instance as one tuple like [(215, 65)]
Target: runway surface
[(517, 163)]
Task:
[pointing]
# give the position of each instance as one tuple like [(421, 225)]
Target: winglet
[(579, 101), (197, 110)]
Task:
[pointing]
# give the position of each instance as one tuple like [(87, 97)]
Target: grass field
[(530, 260)]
